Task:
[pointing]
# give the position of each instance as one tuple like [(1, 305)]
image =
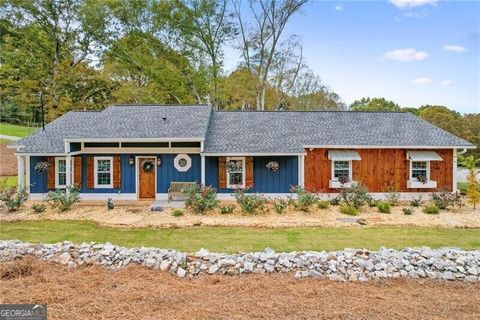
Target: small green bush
[(305, 199), (200, 200), (393, 196), (407, 211), (39, 207), (350, 210), (323, 204), (63, 199), (356, 196), (335, 201), (416, 202), (177, 213), (372, 203), (228, 209), (280, 206), (384, 207), (431, 210), (444, 199), (14, 199), (250, 203)]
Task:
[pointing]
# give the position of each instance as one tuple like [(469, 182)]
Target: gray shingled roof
[(242, 132), (289, 131), (120, 122)]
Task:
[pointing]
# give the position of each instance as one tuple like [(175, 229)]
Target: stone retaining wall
[(348, 264)]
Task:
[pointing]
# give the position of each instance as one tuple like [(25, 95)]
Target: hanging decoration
[(234, 166), (273, 166), (147, 165), (42, 166), (343, 179)]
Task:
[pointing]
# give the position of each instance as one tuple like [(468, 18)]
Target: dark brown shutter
[(117, 172), (77, 170), (249, 172), (222, 172), (90, 173), (51, 173)]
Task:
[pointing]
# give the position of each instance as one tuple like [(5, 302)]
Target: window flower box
[(415, 184)]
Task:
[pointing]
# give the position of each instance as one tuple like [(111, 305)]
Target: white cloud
[(407, 54), (422, 81), (338, 7), (405, 4), (454, 48), (446, 82)]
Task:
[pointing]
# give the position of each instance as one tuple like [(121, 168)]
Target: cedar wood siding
[(376, 170)]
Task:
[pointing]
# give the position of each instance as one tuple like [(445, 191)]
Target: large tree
[(374, 104), (260, 36)]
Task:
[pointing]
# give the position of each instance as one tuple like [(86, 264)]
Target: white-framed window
[(235, 172), (60, 173), (420, 170), (103, 172), (341, 168)]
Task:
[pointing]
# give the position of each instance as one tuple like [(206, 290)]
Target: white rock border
[(345, 265)]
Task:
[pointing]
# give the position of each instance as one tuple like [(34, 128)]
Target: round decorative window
[(182, 162)]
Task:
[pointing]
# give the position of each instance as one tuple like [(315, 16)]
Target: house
[(136, 151)]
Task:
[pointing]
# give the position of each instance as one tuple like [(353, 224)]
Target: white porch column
[(21, 172), (301, 170), (27, 173), (68, 171), (202, 170)]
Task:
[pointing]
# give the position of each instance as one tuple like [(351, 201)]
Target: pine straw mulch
[(140, 293)]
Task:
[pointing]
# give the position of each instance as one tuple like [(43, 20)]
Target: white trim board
[(135, 140), (384, 147)]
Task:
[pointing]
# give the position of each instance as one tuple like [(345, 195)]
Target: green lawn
[(243, 239), (7, 182), (15, 130)]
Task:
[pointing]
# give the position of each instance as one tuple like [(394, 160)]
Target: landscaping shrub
[(14, 199), (407, 211), (372, 203), (472, 190), (416, 202), (177, 213), (356, 195), (384, 207), (335, 201), (200, 200), (431, 210), (350, 210), (444, 199), (305, 199), (392, 196), (63, 199), (280, 206), (39, 207), (228, 209), (323, 204), (250, 203)]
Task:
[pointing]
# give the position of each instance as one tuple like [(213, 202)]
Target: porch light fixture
[(159, 161), (131, 161)]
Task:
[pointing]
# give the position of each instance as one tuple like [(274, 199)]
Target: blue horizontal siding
[(264, 181)]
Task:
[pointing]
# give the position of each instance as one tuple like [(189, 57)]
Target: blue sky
[(413, 52)]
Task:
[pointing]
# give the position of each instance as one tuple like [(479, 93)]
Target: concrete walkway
[(12, 138)]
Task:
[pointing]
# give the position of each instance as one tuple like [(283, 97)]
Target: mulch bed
[(140, 293)]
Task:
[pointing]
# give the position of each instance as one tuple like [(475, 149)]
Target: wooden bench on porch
[(176, 188)]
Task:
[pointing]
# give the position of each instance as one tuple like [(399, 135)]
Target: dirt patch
[(134, 216), (136, 292), (8, 161)]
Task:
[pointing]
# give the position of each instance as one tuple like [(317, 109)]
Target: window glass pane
[(341, 169), (103, 172), (235, 172), (61, 172), (419, 169)]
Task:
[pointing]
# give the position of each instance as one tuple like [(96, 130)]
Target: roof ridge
[(307, 111), (157, 105)]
